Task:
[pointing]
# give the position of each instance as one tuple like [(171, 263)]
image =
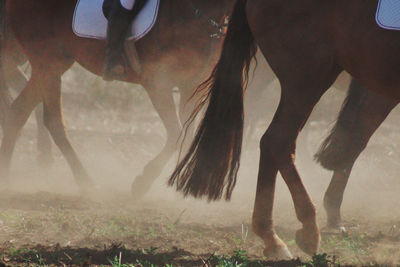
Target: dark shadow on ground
[(69, 256)]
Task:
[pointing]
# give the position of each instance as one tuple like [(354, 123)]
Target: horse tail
[(2, 32), (2, 37), (5, 98), (213, 159), (332, 152)]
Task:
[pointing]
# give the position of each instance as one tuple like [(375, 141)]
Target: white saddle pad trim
[(388, 14), (89, 20)]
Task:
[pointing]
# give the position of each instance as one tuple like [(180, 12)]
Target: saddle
[(388, 14), (90, 19)]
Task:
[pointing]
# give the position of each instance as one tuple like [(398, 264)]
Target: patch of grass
[(116, 263), (30, 257), (152, 233), (151, 250), (320, 260), (117, 228), (238, 259), (356, 243), (171, 227), (117, 255), (27, 224)]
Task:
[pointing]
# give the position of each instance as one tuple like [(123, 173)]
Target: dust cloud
[(116, 131)]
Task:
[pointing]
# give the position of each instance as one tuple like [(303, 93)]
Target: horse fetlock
[(334, 220), (333, 230), (333, 213)]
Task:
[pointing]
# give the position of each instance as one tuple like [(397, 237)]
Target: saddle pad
[(388, 14), (90, 22)]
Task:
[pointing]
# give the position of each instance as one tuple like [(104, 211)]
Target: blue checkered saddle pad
[(388, 14)]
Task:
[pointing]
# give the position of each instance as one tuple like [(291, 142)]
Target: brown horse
[(343, 136), (179, 50), (307, 44)]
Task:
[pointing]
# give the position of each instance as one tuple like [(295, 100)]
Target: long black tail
[(5, 98), (2, 39), (332, 153), (2, 34), (213, 160)]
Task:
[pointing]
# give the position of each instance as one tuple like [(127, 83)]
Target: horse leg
[(43, 139), (17, 80), (17, 116), (333, 199), (348, 139), (188, 100), (53, 120), (277, 154), (5, 99), (164, 104)]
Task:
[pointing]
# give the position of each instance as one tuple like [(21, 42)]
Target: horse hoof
[(308, 240), (334, 230), (140, 187), (279, 253)]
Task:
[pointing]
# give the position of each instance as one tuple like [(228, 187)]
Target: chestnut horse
[(179, 51), (307, 44)]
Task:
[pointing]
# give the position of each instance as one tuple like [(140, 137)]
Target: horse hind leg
[(277, 154), (45, 157), (187, 103), (164, 104), (18, 114), (17, 80), (361, 115)]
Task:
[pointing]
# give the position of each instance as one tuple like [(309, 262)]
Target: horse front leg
[(263, 225), (53, 120)]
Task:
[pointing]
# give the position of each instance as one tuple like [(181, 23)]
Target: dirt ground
[(45, 219)]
